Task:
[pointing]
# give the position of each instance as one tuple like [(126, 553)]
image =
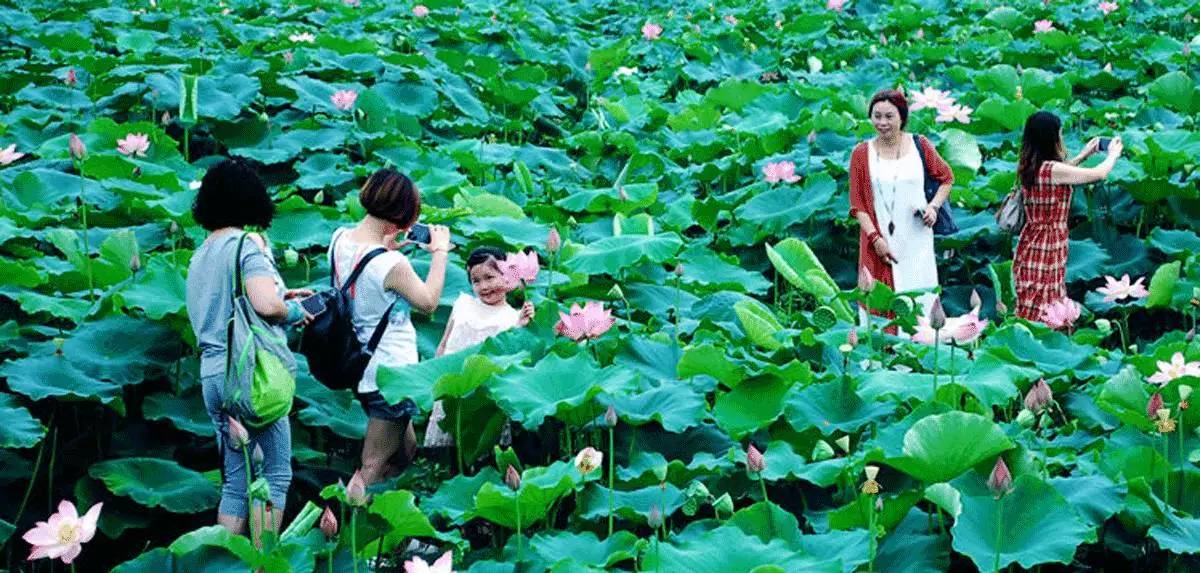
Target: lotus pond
[(756, 428)]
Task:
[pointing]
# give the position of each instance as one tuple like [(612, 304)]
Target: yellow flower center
[(68, 533)]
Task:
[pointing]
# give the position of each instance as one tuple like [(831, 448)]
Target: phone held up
[(1103, 145), (419, 233)]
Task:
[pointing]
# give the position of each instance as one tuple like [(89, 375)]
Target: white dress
[(471, 322), (899, 189)]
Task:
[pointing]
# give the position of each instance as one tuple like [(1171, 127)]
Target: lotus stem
[(354, 537), (1182, 471), (937, 338), (677, 317), (952, 347), (1167, 473), (999, 533), (87, 248), (458, 445), (873, 547), (330, 560), (187, 140), (1124, 326), (612, 454), (762, 484), (550, 283), (250, 515), (520, 538), (50, 469)]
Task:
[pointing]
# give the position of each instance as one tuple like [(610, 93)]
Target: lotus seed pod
[(843, 443), (723, 505), (1026, 418), (821, 451)]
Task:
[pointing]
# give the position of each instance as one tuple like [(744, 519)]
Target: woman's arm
[(1092, 145), (441, 347), (403, 279), (259, 282), (1068, 174)]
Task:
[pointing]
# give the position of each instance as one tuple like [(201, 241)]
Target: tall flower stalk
[(937, 321), (356, 496), (610, 420), (78, 153), (513, 480), (1000, 483), (756, 463), (553, 244), (872, 488)]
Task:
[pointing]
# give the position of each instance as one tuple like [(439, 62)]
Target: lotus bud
[(1187, 50), (166, 118), (1104, 326), (1039, 396), (356, 490), (871, 487), (319, 198), (1000, 482), (71, 78), (257, 456), (1190, 336), (660, 472), (1185, 392), (976, 300), (1154, 405), (879, 503), (678, 270), (288, 57), (329, 524), (723, 505), (512, 479), (821, 451), (291, 257), (553, 241), (1020, 94), (883, 38), (754, 460), (135, 262), (843, 443), (1001, 308), (920, 33), (866, 281), (852, 337), (621, 193), (1026, 418), (58, 345), (654, 519), (238, 436), (610, 416), (78, 149), (937, 315)]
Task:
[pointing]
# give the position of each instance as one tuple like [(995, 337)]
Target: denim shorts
[(275, 441), (376, 407)]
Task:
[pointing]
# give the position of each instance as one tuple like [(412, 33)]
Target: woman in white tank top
[(388, 285)]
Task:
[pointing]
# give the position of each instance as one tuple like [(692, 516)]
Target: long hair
[(1041, 142)]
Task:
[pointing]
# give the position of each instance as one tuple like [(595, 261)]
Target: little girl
[(474, 319)]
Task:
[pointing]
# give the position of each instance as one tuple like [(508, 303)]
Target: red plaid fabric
[(1040, 265)]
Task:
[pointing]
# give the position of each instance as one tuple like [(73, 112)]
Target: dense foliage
[(653, 138)]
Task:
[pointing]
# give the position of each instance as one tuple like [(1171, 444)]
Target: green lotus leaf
[(40, 377), (614, 254), (938, 448), (1031, 525), (404, 519), (540, 487), (584, 549), (630, 505), (796, 262), (709, 552), (558, 387), (753, 404), (20, 429), (759, 323), (454, 497), (832, 407), (159, 290), (185, 412), (157, 483)]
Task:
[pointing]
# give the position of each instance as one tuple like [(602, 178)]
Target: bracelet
[(874, 236)]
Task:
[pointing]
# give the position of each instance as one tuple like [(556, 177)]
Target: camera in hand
[(419, 233), (1103, 146)]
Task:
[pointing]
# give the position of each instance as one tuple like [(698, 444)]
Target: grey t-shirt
[(210, 292)]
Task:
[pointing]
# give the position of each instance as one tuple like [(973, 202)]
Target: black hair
[(391, 196), (895, 98), (232, 195), (1041, 142), (481, 255)]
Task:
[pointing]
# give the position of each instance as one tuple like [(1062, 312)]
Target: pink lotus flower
[(588, 460), (78, 149), (356, 490), (966, 328), (553, 241), (303, 38), (329, 524), (70, 79), (288, 57), (134, 144), (1178, 367), (731, 19), (852, 337), (63, 535), (238, 436), (835, 5), (352, 3), (780, 171), (1114, 290), (1060, 313), (931, 98), (754, 460), (442, 565), (520, 268), (651, 31), (1108, 7), (1000, 481), (512, 478), (937, 314), (344, 99), (1039, 396), (420, 11), (10, 154), (590, 321), (959, 113), (1042, 26)]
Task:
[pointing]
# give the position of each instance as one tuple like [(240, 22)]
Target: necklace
[(889, 206)]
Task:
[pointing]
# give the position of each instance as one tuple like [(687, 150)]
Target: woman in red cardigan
[(887, 196)]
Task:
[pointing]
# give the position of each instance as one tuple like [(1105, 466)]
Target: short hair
[(390, 195), (895, 98), (232, 195), (481, 255)]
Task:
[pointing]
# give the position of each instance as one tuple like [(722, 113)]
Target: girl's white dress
[(471, 322)]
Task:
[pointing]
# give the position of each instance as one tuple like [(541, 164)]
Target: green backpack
[(260, 369)]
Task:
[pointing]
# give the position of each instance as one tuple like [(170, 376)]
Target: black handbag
[(945, 224)]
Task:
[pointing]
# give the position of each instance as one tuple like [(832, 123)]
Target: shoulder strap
[(239, 287), (921, 153), (361, 266), (380, 328)]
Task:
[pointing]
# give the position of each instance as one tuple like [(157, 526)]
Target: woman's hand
[(929, 215), (439, 239), (1093, 145), (1115, 147), (881, 248), (527, 314), (297, 293)]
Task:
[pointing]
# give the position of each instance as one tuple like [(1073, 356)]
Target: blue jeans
[(275, 441)]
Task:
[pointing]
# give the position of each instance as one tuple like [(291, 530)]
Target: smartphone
[(1103, 146), (313, 305), (419, 233)]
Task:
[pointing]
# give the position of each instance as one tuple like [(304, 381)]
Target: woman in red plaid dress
[(1040, 264)]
